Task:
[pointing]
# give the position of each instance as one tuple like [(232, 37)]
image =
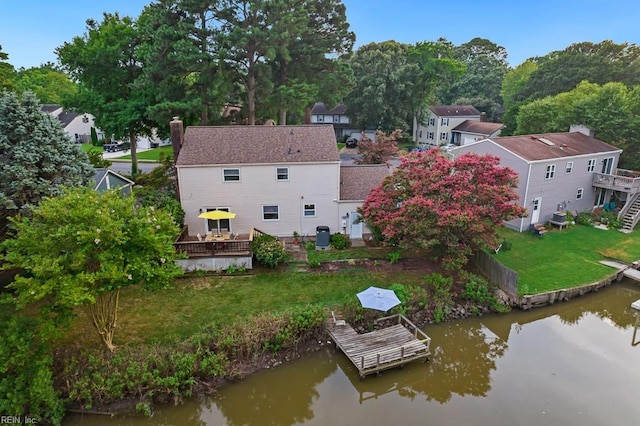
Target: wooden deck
[(381, 349)]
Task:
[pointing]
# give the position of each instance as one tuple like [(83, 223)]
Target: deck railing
[(211, 248), (618, 182)]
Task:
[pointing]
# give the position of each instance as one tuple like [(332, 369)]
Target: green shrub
[(268, 251), (310, 245), (394, 257), (313, 263), (584, 218), (339, 241), (26, 378)]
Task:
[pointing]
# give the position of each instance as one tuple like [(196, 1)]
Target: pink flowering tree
[(381, 150), (450, 207)]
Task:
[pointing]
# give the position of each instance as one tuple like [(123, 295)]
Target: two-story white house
[(440, 121), (337, 117), (557, 171), (76, 126)]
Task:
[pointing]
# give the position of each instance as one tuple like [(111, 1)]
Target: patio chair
[(340, 322)]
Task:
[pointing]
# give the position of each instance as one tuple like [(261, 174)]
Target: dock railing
[(411, 350)]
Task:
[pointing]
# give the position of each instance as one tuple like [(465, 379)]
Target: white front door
[(535, 209), (355, 225)]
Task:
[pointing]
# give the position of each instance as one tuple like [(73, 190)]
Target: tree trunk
[(251, 97), (104, 314), (282, 117), (133, 141)]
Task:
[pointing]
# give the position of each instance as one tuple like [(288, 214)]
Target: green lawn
[(151, 154), (567, 258), (193, 303)]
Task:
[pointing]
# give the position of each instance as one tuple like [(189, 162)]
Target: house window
[(231, 175), (336, 118), (309, 210), (282, 173), (430, 135), (271, 212), (444, 122), (420, 134), (579, 194), (551, 171), (591, 166), (321, 119), (444, 136), (569, 167), (432, 122)]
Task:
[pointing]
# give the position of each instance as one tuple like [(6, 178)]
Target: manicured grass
[(340, 145), (151, 154), (88, 147), (564, 259), (193, 303)]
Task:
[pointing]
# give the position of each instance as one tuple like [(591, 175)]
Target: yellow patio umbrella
[(217, 215)]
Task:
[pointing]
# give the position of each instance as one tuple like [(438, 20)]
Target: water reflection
[(569, 363), (286, 402)]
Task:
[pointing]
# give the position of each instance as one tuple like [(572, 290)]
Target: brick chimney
[(177, 136)]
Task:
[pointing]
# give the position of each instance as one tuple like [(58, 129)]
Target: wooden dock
[(381, 349)]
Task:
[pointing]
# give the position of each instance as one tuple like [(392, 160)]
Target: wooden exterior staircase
[(630, 215)]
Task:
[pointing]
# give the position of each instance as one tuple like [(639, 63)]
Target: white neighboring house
[(277, 179), (441, 120), (76, 126)]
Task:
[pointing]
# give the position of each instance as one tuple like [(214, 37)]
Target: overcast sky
[(30, 30)]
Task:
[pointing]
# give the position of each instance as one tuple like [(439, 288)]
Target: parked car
[(114, 147), (352, 142)]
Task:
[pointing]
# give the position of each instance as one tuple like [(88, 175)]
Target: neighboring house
[(557, 172), (76, 126), (440, 123), (356, 183), (470, 131), (107, 179), (337, 117)]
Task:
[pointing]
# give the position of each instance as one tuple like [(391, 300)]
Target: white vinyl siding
[(231, 175)]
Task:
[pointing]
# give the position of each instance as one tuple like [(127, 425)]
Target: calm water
[(567, 364)]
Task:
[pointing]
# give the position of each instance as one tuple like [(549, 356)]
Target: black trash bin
[(322, 237)]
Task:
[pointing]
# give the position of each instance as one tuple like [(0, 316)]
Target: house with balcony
[(559, 172), (437, 129)]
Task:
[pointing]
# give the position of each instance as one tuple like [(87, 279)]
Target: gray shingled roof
[(48, 108), (553, 145), (356, 182), (478, 127), (454, 110), (320, 108), (258, 145)]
